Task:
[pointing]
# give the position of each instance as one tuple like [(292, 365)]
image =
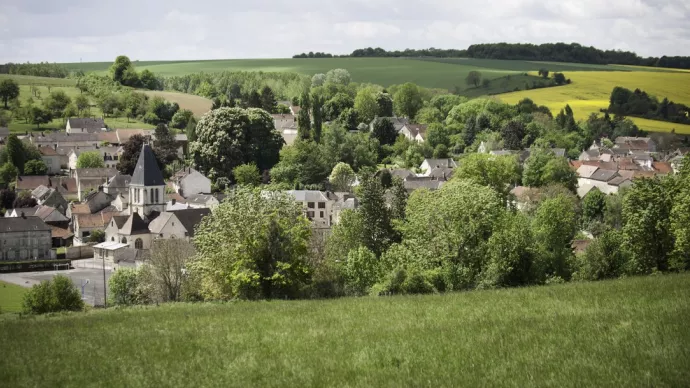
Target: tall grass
[(11, 297), (629, 333)]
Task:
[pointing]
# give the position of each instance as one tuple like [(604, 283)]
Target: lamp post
[(105, 285)]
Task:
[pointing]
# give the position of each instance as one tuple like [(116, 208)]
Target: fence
[(25, 266)]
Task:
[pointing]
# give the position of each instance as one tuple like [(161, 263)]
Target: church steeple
[(147, 188)]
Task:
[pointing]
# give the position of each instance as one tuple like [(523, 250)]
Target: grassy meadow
[(630, 333), (590, 92), (11, 297)]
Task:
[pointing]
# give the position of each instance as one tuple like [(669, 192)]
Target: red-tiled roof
[(575, 164), (58, 232), (80, 208), (31, 182), (48, 151), (109, 137), (662, 167)]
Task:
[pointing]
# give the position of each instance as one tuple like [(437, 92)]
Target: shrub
[(602, 259), (123, 286), (58, 294)]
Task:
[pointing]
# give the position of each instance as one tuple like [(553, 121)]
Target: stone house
[(90, 179), (85, 224), (24, 238), (52, 159), (49, 196), (85, 125), (189, 181)]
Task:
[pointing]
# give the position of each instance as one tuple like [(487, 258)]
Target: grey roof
[(157, 225), (502, 152), (119, 180), (441, 173), (619, 180), (104, 173), (134, 225), (190, 218), (147, 173), (120, 221), (22, 224), (50, 214), (398, 122), (401, 172), (28, 211), (41, 192), (414, 184), (200, 198), (603, 175), (308, 195), (58, 137), (90, 124), (445, 163)]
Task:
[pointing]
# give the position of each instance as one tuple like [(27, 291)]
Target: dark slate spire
[(147, 173)]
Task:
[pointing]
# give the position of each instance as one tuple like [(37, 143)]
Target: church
[(146, 219)]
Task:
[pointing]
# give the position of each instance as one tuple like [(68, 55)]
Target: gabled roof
[(60, 137), (50, 214), (22, 224), (31, 182), (415, 129), (41, 192), (603, 175), (48, 151), (662, 167), (120, 221), (134, 225), (200, 198), (619, 180), (441, 173), (586, 171), (146, 172), (102, 173), (445, 163), (124, 135), (423, 182), (28, 211), (119, 180), (90, 124), (157, 225), (190, 218), (98, 220), (108, 137), (307, 195), (583, 190)]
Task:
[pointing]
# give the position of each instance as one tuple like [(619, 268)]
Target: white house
[(189, 181), (415, 132), (317, 206), (430, 164), (110, 155), (52, 159), (85, 125)]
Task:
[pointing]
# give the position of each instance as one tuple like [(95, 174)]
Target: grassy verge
[(629, 333), (11, 297)]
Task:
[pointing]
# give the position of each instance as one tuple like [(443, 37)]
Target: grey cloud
[(177, 29)]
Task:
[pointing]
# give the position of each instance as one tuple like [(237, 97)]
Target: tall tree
[(82, 103), (317, 114), (304, 124), (555, 224), (473, 78), (365, 103), (342, 177), (9, 90), (130, 154), (268, 100), (498, 172), (399, 203), (228, 137), (408, 100), (15, 153), (377, 231), (385, 104), (56, 102), (384, 131), (165, 145), (119, 68), (513, 133)]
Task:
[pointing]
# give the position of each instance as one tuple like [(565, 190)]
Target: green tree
[(252, 246), (510, 253), (190, 129), (366, 103), (123, 287), (497, 172), (268, 100), (304, 124), (593, 205), (342, 177), (56, 102), (15, 153), (336, 105), (385, 104), (148, 80), (8, 173), (181, 118), (559, 78), (35, 167), (119, 69), (40, 116), (512, 134), (229, 137), (58, 294), (680, 220), (349, 119), (441, 152), (544, 73), (646, 225), (97, 236), (429, 115), (377, 231), (543, 168), (362, 270), (165, 145), (338, 76), (9, 90), (602, 259), (384, 131), (399, 200), (247, 174), (317, 114), (473, 78), (408, 100), (90, 159), (555, 225)]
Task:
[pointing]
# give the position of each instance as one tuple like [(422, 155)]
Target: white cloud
[(206, 29)]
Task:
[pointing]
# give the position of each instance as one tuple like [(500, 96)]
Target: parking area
[(89, 281)]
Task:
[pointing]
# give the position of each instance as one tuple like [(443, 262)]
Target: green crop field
[(11, 297), (622, 333), (590, 92)]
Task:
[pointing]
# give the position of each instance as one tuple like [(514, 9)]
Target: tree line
[(42, 69), (640, 104), (554, 52)]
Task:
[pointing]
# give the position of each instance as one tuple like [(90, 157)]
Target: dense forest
[(43, 69), (640, 104), (555, 52)]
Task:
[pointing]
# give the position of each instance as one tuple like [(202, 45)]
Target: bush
[(602, 259), (124, 287), (58, 294)]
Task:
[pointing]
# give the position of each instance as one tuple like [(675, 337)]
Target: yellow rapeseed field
[(590, 92)]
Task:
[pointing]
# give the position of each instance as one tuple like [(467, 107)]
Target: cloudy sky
[(88, 30)]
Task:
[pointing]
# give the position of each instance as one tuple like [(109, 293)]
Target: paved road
[(93, 291)]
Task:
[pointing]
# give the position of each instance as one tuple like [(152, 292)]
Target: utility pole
[(105, 285)]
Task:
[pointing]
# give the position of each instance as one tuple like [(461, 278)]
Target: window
[(145, 193), (139, 244), (124, 240), (321, 214), (310, 205), (112, 239), (157, 196), (322, 205), (310, 215), (152, 196)]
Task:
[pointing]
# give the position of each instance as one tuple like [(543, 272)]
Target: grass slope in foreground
[(11, 297), (629, 332), (591, 91)]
